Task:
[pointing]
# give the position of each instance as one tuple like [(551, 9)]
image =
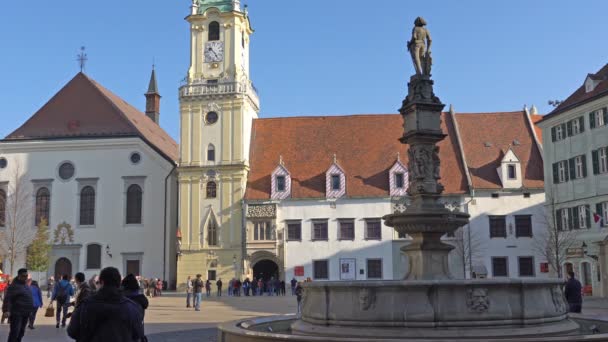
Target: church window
[(3, 163), (93, 256), (211, 118), (135, 158), (212, 233), (211, 153), (43, 205), (211, 190), (134, 204), (2, 208), (87, 206), (66, 171), (214, 31)]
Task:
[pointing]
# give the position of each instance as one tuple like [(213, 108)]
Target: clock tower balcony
[(195, 89)]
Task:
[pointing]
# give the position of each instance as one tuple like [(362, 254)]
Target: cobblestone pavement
[(168, 319)]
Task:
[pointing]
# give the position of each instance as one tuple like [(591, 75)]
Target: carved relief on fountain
[(478, 300)]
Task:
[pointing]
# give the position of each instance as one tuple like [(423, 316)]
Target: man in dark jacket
[(197, 289), (573, 293), (107, 315), (19, 303), (84, 290), (218, 283), (62, 293)]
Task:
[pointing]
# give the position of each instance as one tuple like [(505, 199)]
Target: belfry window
[(211, 190), (214, 31), (211, 153)]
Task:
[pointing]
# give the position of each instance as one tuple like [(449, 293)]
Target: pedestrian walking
[(208, 288), (294, 283), (18, 304), (83, 289), (260, 287), (572, 291), (107, 315), (218, 283), (230, 286), (50, 285), (188, 291), (159, 287), (197, 288), (246, 286), (131, 289), (62, 293), (37, 297), (299, 291), (93, 283), (282, 287)]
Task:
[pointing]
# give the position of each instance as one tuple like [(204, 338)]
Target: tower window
[(211, 190), (211, 118), (211, 153), (214, 31)]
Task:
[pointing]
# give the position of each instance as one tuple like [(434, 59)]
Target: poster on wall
[(347, 269), (298, 271)]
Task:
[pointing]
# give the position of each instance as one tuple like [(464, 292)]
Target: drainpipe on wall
[(165, 227)]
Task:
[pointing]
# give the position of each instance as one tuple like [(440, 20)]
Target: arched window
[(87, 206), (134, 199), (214, 31), (43, 205), (212, 233), (211, 190), (2, 208), (211, 153), (93, 256)]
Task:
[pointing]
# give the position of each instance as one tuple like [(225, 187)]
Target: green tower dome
[(222, 5)]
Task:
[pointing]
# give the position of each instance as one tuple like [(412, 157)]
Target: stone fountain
[(428, 305)]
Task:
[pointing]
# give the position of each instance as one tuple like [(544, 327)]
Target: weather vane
[(82, 58)]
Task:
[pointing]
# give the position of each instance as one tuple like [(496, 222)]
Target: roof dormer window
[(281, 182), (512, 171), (398, 179), (335, 182)]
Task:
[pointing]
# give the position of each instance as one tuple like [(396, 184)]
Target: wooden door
[(63, 266), (133, 267)]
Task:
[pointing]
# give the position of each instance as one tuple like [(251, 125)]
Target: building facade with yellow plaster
[(217, 106)]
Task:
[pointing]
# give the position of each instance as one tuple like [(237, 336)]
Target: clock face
[(214, 51)]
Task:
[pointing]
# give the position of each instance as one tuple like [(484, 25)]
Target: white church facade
[(102, 174)]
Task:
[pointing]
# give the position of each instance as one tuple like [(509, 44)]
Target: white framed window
[(562, 169), (582, 217), (578, 167), (576, 127), (565, 219), (559, 133), (604, 213), (603, 159), (599, 118), (262, 231)]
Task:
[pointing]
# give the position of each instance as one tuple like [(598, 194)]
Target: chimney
[(153, 99)]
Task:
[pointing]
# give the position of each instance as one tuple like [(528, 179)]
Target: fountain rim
[(443, 282)]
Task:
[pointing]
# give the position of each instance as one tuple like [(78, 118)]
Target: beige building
[(217, 106)]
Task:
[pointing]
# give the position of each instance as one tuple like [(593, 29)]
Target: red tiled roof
[(499, 130), (539, 132), (84, 108), (581, 96), (366, 147)]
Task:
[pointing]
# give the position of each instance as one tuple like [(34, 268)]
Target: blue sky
[(314, 57)]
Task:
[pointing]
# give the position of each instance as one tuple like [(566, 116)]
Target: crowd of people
[(106, 308)]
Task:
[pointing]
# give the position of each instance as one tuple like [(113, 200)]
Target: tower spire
[(153, 98)]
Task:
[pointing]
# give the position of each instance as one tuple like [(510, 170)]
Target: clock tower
[(217, 106)]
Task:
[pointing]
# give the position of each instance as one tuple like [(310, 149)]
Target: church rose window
[(87, 206), (135, 158), (134, 204), (43, 205), (66, 171)]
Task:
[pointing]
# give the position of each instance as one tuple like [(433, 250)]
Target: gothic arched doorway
[(63, 266), (265, 269)]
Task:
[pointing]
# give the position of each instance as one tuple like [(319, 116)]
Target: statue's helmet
[(420, 21)]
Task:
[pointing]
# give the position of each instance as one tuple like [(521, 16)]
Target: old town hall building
[(303, 196)]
